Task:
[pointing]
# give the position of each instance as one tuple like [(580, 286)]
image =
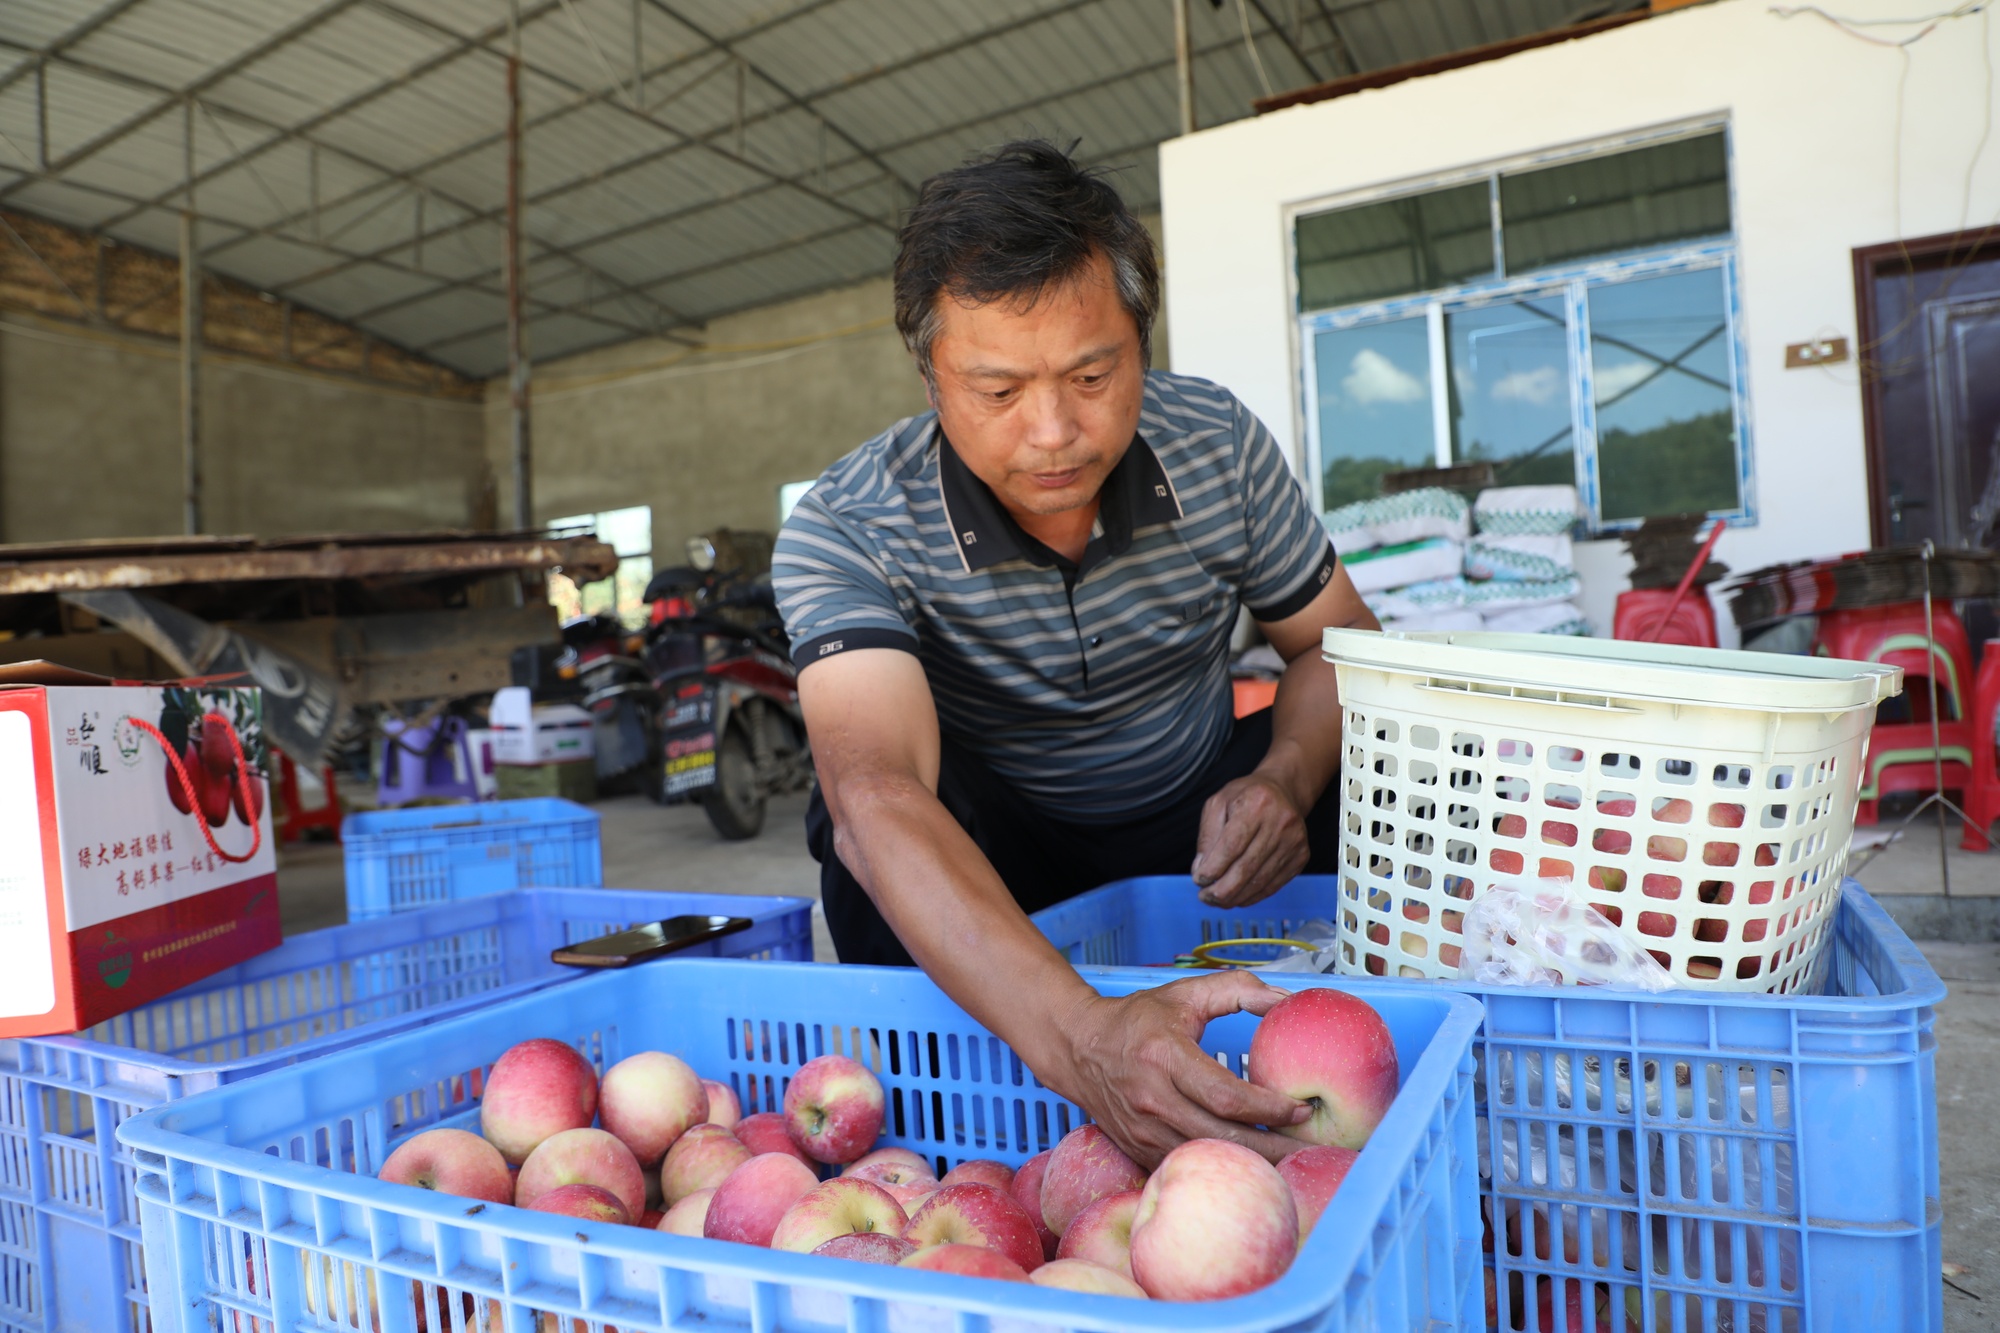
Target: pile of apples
[(673, 1151)]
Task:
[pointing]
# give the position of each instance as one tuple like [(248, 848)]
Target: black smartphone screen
[(652, 940)]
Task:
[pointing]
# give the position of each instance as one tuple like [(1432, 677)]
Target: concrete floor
[(650, 847)]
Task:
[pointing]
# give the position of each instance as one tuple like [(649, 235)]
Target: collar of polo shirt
[(1137, 494)]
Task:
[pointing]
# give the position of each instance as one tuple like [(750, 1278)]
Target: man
[(1012, 618)]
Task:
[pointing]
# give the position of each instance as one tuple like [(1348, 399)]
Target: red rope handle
[(187, 785)]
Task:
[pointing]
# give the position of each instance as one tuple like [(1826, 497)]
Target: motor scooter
[(730, 734)]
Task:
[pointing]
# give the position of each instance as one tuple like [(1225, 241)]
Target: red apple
[(1102, 1233), (1085, 1167), (916, 1162), (180, 793), (685, 1218), (650, 1099), (748, 1206), (833, 1108), (217, 753), (723, 1106), (837, 1208), (766, 1132), (700, 1159), (451, 1161), (966, 1261), (1028, 1193), (1084, 1276), (1313, 1174), (253, 811), (582, 1157), (584, 1201), (213, 791), (868, 1247), (974, 1214), (651, 1219), (981, 1171), (1216, 1220), (1333, 1052), (911, 1194), (538, 1088)]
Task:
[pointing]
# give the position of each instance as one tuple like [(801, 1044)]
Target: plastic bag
[(1319, 934), (1550, 936)]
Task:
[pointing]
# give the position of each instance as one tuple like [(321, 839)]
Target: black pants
[(1043, 860)]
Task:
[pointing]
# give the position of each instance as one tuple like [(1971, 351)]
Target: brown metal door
[(1930, 339)]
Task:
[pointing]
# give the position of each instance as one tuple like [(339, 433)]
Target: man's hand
[(1252, 842), (1136, 1064)]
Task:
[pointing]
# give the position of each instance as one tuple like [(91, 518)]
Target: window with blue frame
[(1569, 321)]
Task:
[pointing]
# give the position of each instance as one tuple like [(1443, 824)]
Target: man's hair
[(1011, 225)]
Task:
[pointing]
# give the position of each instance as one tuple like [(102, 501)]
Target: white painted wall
[(1818, 169)]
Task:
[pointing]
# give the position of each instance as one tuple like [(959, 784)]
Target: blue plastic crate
[(69, 1233), (1713, 1161), (398, 860), (259, 1200)]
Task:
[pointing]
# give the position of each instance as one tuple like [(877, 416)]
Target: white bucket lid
[(1528, 664)]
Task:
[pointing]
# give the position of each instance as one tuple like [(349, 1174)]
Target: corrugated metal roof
[(349, 154)]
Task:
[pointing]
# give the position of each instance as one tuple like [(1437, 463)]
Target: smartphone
[(656, 939)]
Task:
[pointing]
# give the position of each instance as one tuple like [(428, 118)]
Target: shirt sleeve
[(1291, 557), (832, 588)]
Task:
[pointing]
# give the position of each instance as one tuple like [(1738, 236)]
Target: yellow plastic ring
[(1206, 953)]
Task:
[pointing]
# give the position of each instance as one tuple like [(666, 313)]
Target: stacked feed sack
[(1406, 556), (1520, 571)]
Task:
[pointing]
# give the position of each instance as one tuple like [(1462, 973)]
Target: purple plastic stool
[(429, 761)]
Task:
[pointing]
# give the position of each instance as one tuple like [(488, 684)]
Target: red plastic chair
[(1691, 623), (1982, 793), (292, 816), (1899, 753)]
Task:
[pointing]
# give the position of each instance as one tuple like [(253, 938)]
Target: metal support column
[(190, 339), (517, 351), (1184, 65)]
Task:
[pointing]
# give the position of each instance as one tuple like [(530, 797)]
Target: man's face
[(1041, 401)]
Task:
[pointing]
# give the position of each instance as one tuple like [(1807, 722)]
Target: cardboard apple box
[(110, 897)]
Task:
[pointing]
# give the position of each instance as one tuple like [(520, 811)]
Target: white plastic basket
[(1702, 800)]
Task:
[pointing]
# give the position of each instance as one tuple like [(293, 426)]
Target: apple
[(966, 1261), (538, 1088), (651, 1219), (868, 1247), (1084, 1276), (1084, 1168), (981, 1171), (1102, 1233), (1333, 1052), (910, 1195), (766, 1132), (833, 1108), (837, 1208), (723, 1107), (451, 1161), (1313, 1174), (748, 1206), (582, 1157), (914, 1161), (586, 1201), (1028, 1193), (648, 1100), (1216, 1220), (974, 1214), (685, 1218), (700, 1159)]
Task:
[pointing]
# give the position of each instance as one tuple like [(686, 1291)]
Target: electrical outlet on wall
[(1818, 352)]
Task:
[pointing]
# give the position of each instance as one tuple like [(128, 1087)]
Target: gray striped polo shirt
[(1100, 690)]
